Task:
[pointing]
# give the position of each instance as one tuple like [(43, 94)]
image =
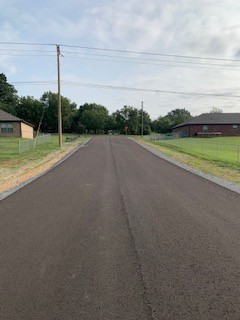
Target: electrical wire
[(27, 55), (121, 51), (150, 53), (26, 50), (133, 60), (105, 86), (144, 59), (153, 64)]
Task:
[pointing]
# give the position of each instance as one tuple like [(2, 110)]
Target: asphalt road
[(114, 232)]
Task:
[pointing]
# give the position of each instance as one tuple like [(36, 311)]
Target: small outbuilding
[(11, 126), (210, 124)]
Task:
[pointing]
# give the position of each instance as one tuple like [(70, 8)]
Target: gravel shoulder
[(235, 187)]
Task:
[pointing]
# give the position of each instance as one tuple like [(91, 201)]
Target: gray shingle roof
[(5, 116), (213, 118)]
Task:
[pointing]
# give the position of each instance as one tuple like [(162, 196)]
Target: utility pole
[(142, 122), (45, 102), (59, 100)]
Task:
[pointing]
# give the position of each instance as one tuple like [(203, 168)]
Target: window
[(205, 128), (7, 127), (235, 126)]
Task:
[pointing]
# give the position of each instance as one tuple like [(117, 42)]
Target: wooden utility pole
[(142, 122), (59, 100)]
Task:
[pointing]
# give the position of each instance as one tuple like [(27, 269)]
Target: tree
[(111, 123), (174, 117), (127, 117), (8, 96), (154, 125), (50, 120), (177, 116), (146, 122), (216, 110), (162, 125), (30, 109), (93, 116)]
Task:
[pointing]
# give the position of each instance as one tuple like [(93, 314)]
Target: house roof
[(212, 118), (5, 117)]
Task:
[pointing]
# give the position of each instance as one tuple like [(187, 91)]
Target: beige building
[(11, 126)]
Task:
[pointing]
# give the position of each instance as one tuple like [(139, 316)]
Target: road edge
[(8, 192), (221, 182)]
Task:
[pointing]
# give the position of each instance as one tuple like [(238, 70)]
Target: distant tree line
[(87, 118)]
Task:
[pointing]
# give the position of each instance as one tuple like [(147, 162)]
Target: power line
[(121, 51), (27, 43), (144, 59), (103, 55), (51, 82), (105, 86), (153, 64), (25, 50), (134, 59), (27, 55), (199, 65), (150, 53)]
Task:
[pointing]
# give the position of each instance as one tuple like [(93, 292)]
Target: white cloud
[(7, 33), (188, 27)]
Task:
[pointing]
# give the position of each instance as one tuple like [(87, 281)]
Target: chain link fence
[(207, 149), (163, 136), (26, 145)]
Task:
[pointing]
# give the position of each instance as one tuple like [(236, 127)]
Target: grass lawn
[(223, 150), (202, 154), (14, 164)]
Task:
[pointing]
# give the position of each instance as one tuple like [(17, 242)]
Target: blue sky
[(205, 28)]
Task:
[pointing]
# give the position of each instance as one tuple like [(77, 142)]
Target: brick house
[(210, 124), (11, 126)]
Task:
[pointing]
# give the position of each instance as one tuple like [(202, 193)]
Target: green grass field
[(223, 150), (9, 149)]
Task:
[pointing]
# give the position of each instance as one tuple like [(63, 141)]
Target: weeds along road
[(114, 232)]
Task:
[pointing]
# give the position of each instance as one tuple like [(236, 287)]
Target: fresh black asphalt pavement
[(114, 232)]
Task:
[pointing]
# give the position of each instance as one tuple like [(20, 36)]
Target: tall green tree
[(146, 122), (50, 120), (111, 124), (174, 117), (127, 117), (93, 117), (177, 116), (164, 125), (8, 95), (131, 118), (30, 109)]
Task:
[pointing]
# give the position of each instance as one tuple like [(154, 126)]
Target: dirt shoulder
[(10, 176)]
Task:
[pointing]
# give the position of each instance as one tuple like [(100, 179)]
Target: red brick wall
[(184, 130), (225, 129), (16, 131)]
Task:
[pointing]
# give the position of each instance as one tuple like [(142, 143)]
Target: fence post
[(19, 148)]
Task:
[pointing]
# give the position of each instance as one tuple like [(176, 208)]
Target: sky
[(167, 29)]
